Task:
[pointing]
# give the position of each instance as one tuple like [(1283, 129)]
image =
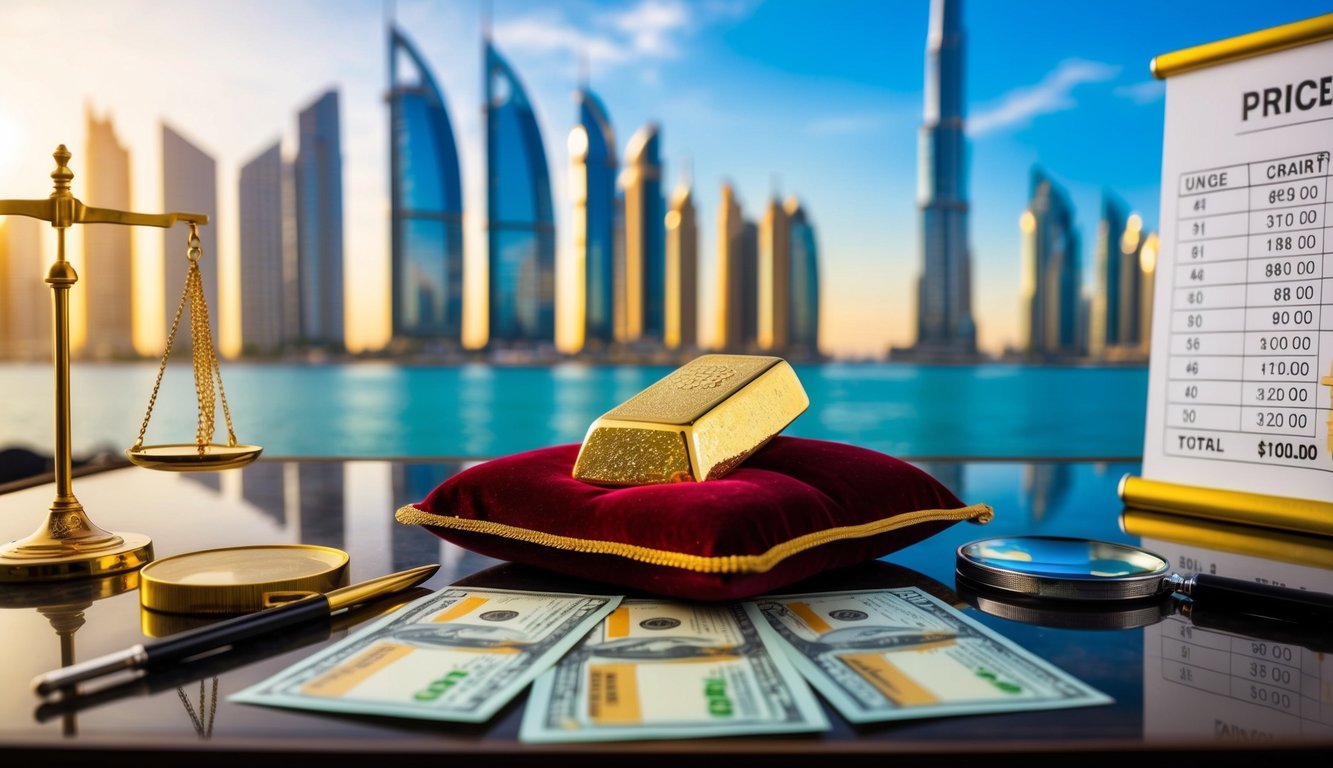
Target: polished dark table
[(1182, 692)]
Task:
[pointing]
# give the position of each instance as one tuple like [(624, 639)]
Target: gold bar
[(1304, 515), (698, 423), (1270, 40)]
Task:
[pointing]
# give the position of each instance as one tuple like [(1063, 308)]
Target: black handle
[(234, 630), (1249, 597), (1314, 635)]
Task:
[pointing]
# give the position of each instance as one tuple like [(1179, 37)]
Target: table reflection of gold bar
[(697, 423), (1299, 549), (1305, 515)]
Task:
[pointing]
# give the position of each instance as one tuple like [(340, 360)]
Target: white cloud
[(650, 30), (652, 25), (1053, 94), (1145, 92), (549, 33), (851, 124)]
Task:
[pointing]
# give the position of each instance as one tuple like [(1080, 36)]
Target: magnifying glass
[(1070, 569)]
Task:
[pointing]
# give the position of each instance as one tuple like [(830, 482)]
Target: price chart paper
[(1242, 340)]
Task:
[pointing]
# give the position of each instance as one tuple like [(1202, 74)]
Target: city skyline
[(796, 112)]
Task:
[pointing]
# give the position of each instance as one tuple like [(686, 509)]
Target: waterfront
[(384, 410)]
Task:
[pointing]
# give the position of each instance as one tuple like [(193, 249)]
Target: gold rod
[(61, 277), (1270, 40)]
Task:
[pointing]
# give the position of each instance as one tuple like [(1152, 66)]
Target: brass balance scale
[(69, 545)]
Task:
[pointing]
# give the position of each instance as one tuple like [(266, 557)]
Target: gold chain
[(203, 353), (201, 726)]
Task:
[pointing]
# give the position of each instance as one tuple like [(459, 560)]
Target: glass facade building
[(267, 276), (645, 237), (1104, 314), (426, 214), (682, 272), (774, 279), (944, 294), (731, 288), (317, 175), (189, 183), (520, 218), (592, 154), (108, 264), (1051, 280), (804, 339)]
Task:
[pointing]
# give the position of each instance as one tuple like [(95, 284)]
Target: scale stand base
[(70, 546)]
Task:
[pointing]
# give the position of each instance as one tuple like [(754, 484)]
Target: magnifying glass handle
[(1254, 598)]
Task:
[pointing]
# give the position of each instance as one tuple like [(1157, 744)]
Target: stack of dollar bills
[(605, 668)]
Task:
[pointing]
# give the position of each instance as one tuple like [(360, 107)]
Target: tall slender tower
[(1104, 317), (267, 270), (426, 203), (645, 265), (1051, 280), (189, 183), (592, 181), (319, 222), (520, 218), (775, 279), (682, 272), (731, 269), (944, 294), (804, 282), (108, 262), (25, 301)]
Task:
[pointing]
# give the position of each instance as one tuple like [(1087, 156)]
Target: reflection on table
[(1173, 683)]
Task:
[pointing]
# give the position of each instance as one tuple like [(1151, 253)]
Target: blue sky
[(821, 100)]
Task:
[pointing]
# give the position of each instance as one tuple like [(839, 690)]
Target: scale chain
[(203, 353)]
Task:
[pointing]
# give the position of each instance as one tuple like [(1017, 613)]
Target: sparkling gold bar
[(698, 423)]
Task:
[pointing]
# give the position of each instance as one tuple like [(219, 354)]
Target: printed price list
[(1251, 325), (1286, 679)]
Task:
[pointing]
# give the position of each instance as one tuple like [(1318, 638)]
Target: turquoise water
[(387, 410)]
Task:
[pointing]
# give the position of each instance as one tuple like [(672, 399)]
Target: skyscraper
[(731, 289), (748, 302), (25, 297), (426, 203), (681, 329), (108, 255), (774, 290), (944, 293), (268, 270), (1104, 317), (1132, 330), (1050, 281), (592, 155), (520, 219), (804, 282), (189, 184), (317, 175), (645, 237)]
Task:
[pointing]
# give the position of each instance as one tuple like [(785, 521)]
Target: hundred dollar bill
[(661, 670), (458, 654), (895, 654)]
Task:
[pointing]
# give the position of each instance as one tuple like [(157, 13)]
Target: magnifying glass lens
[(1047, 566)]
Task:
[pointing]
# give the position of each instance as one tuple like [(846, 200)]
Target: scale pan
[(185, 457)]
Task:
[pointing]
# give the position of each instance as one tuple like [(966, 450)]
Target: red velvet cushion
[(796, 508)]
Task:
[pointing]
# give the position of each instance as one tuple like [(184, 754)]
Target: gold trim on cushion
[(761, 563)]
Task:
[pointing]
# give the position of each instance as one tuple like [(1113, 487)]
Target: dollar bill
[(457, 654), (895, 654), (661, 670)]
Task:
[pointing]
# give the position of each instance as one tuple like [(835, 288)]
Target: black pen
[(187, 645)]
